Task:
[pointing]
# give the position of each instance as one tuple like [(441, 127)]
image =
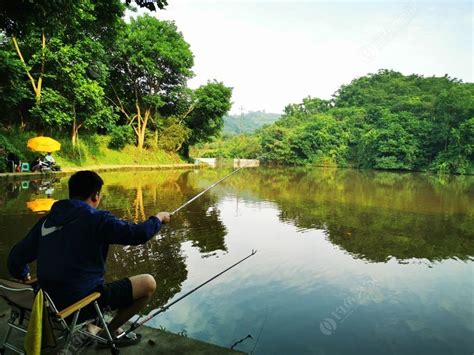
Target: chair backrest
[(17, 294)]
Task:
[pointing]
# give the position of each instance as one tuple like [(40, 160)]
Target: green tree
[(75, 96), (275, 144), (31, 24), (144, 81), (321, 141), (205, 114), (14, 91)]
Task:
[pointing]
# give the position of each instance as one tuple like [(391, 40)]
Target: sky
[(273, 53)]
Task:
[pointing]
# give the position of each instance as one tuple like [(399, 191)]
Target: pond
[(348, 262)]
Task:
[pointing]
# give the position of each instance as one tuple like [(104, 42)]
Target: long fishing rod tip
[(253, 252)]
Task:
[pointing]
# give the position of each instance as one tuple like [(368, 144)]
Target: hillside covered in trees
[(71, 68), (247, 122), (384, 121)]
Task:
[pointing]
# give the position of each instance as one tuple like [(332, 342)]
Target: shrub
[(7, 147), (120, 136), (75, 153), (173, 136)]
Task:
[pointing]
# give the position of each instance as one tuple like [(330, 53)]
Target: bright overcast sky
[(277, 52)]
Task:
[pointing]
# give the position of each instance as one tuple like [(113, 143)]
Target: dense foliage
[(383, 121), (76, 66)]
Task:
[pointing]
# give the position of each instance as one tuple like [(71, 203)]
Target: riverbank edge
[(153, 341), (97, 168)]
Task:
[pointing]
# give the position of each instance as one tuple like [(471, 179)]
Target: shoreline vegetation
[(382, 121), (79, 79)]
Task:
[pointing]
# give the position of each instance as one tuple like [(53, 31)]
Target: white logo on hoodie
[(45, 231)]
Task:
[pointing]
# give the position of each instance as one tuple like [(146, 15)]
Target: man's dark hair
[(84, 184)]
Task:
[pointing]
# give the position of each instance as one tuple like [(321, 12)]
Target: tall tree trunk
[(36, 84), (140, 127), (146, 118), (75, 128), (74, 133), (22, 120)]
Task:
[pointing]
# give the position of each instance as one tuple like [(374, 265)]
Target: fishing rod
[(139, 323), (210, 187)]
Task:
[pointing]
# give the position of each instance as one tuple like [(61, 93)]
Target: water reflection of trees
[(135, 197), (200, 222), (138, 196), (15, 218), (374, 215), (161, 258), (145, 194)]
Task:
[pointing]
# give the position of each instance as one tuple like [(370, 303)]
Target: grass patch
[(94, 150), (91, 150)]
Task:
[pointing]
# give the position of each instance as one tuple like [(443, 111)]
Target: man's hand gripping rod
[(139, 322)]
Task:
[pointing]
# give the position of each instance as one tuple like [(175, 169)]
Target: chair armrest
[(66, 312)]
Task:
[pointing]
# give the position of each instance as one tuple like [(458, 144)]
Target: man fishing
[(70, 245)]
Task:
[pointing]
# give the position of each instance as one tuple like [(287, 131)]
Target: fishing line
[(260, 332)]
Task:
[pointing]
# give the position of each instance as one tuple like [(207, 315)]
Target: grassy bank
[(92, 150)]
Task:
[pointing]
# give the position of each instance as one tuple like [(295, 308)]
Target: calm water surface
[(348, 262)]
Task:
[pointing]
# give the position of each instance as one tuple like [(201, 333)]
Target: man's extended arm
[(117, 231), (24, 253)]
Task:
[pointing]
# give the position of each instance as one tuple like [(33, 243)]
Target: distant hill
[(248, 122)]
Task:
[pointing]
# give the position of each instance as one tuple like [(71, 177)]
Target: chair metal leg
[(7, 335), (74, 320), (13, 317), (5, 340), (6, 344), (113, 347), (72, 330)]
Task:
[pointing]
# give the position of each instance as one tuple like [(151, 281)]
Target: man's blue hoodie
[(71, 244)]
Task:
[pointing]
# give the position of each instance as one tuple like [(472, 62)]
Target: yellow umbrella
[(43, 144), (40, 204)]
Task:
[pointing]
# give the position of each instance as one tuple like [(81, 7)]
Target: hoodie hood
[(65, 211)]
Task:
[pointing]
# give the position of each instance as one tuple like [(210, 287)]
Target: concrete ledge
[(153, 341), (161, 342)]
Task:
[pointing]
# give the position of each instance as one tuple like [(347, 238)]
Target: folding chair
[(20, 298)]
